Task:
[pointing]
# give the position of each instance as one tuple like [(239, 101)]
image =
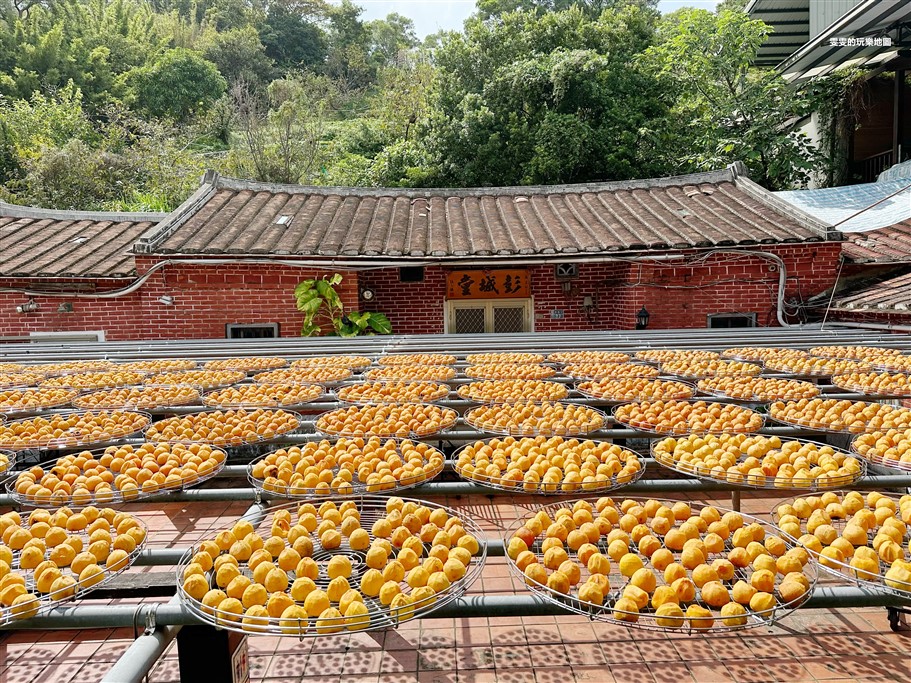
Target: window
[(254, 331), (727, 320), (565, 271), (478, 316), (411, 274)]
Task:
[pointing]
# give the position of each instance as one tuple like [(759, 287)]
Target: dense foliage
[(123, 103)]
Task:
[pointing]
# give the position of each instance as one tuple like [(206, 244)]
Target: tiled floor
[(810, 645)]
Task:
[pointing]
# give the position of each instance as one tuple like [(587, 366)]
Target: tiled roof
[(45, 243), (892, 295), (886, 245), (722, 208)]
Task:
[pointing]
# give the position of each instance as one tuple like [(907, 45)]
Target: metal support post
[(735, 499), (140, 657)]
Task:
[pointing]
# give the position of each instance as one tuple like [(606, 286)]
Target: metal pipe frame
[(140, 657), (809, 335), (464, 488), (473, 606)]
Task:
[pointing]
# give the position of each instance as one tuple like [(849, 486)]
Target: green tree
[(283, 139), (177, 85), (390, 37), (240, 56), (549, 98), (349, 45), (726, 110), (592, 8), (292, 34)]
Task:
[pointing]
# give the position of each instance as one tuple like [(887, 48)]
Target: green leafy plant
[(321, 305)]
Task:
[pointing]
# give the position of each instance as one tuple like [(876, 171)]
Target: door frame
[(528, 306)]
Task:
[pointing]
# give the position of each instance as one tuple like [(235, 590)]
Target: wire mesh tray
[(411, 373), (365, 393), (570, 357), (225, 428), (308, 588), (620, 468), (614, 587), (691, 424), (16, 380), (247, 364), (865, 575), (74, 367), (512, 419), (159, 365), (145, 397), (494, 371), (635, 389), (122, 487), (69, 430), (665, 355), (41, 398), (813, 366), (760, 476), (290, 396), (7, 461), (582, 371), (94, 380), (863, 383), (46, 593), (391, 424), (512, 391), (346, 466), (696, 370), (878, 454), (761, 353), (349, 362), (892, 363), (756, 389), (416, 359), (205, 379), (504, 357), (838, 426), (853, 352), (323, 374)]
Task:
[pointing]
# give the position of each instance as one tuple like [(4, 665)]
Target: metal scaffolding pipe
[(473, 606), (144, 652)]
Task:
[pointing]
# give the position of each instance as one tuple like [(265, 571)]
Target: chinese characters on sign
[(867, 41), (487, 284)]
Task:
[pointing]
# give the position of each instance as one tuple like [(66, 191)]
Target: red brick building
[(710, 249)]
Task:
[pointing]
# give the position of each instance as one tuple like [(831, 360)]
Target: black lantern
[(642, 319)]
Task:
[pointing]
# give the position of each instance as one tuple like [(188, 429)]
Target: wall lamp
[(166, 300), (642, 318), (29, 307)]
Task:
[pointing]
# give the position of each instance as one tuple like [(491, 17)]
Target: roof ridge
[(34, 212), (722, 175)]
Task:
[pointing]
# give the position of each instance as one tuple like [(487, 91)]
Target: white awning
[(870, 19)]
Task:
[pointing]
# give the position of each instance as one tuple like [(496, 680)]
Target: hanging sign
[(487, 284)]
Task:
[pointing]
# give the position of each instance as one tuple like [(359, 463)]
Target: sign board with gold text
[(488, 284)]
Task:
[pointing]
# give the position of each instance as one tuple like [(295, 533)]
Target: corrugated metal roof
[(45, 243), (228, 216), (893, 295), (790, 21), (886, 245), (856, 208)]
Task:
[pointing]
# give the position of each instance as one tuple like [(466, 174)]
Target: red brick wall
[(676, 296), (206, 298)]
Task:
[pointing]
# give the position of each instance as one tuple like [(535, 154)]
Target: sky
[(432, 15)]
